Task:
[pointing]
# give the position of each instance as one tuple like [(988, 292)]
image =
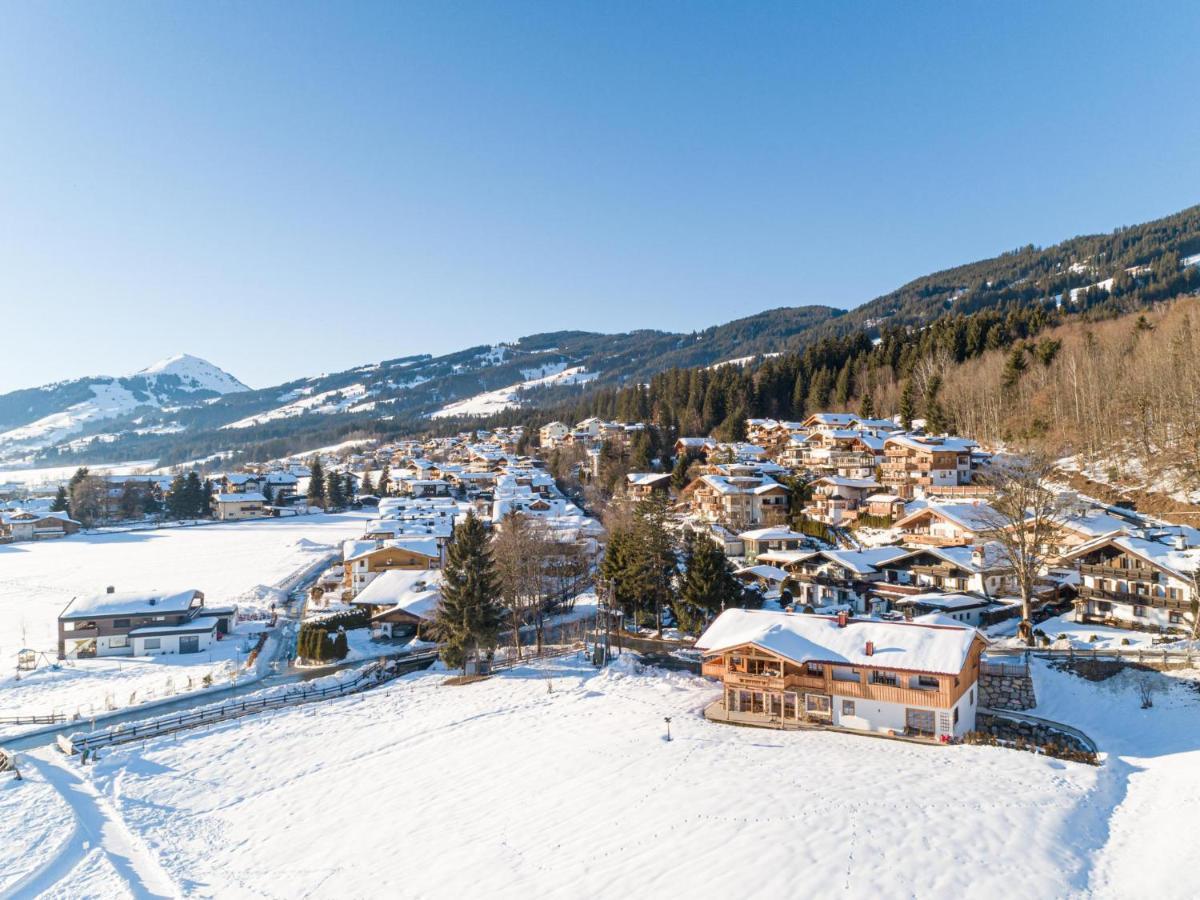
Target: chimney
[(110, 589), (1180, 541), (843, 619), (870, 649)]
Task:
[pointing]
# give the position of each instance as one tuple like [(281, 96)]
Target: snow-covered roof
[(646, 479), (131, 603), (926, 443), (424, 546), (809, 638), (968, 516), (771, 534), (767, 573), (724, 484), (396, 587), (199, 624), (247, 497), (865, 562), (936, 600), (1164, 555), (862, 484)]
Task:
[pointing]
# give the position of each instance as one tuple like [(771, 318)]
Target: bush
[(1093, 639), (348, 619)]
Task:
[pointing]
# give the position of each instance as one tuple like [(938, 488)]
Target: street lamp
[(667, 719)]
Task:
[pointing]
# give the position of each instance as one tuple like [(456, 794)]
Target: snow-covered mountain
[(39, 417)]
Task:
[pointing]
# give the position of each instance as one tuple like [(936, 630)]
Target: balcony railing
[(1115, 596)]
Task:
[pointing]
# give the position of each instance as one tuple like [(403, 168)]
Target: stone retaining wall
[(1006, 691), (1029, 732)]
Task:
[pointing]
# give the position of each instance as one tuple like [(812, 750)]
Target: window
[(847, 707), (1103, 606), (1175, 618), (816, 704), (844, 673), (956, 715), (1139, 612), (887, 679), (814, 670), (927, 683), (152, 644), (120, 623), (118, 641), (972, 696)]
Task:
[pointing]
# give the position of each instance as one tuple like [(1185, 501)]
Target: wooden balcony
[(1115, 596)]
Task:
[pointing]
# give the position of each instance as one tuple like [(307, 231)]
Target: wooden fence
[(374, 674)]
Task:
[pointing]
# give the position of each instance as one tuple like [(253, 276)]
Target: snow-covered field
[(232, 562), (48, 478), (556, 780), (1065, 633)]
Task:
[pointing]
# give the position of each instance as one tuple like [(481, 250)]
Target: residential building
[(27, 525), (363, 560), (245, 505), (839, 501), (782, 670), (920, 465), (1146, 581), (643, 485), (764, 540), (739, 502), (139, 623), (948, 524)]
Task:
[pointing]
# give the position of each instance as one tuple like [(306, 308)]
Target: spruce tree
[(348, 488), (866, 408), (61, 503), (679, 477), (316, 483), (468, 619), (177, 501), (907, 405), (383, 489), (333, 491), (193, 496), (367, 487), (708, 585)]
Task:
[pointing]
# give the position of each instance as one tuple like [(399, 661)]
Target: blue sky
[(292, 188)]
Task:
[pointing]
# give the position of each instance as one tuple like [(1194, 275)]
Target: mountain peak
[(194, 373)]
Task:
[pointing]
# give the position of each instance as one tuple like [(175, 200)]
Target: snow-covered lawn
[(1066, 633), (229, 562), (555, 780)]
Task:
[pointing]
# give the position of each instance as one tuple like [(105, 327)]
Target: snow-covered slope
[(490, 402), (178, 380)]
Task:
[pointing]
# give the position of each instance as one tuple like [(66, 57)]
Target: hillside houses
[(925, 464), (738, 501), (27, 525)]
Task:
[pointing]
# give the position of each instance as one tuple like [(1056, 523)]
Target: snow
[(111, 399), (339, 400), (556, 780), (804, 638), (490, 402), (228, 562), (48, 478)]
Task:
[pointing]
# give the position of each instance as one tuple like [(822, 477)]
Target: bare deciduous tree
[(1025, 518)]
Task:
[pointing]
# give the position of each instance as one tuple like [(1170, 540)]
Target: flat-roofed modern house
[(789, 670), (139, 623), (244, 505)]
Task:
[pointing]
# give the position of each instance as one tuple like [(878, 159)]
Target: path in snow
[(98, 830)]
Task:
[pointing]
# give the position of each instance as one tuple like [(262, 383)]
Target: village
[(840, 575)]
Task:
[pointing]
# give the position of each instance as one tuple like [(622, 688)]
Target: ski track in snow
[(98, 828)]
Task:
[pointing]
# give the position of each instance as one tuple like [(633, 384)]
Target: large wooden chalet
[(782, 670)]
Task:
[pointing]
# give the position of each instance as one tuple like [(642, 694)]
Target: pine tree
[(177, 501), (61, 503), (341, 645), (866, 408), (468, 619), (1014, 368), (268, 494), (193, 496), (348, 488), (907, 405), (708, 585), (383, 489), (367, 487), (799, 395), (207, 499), (334, 498), (316, 483), (679, 476), (844, 387)]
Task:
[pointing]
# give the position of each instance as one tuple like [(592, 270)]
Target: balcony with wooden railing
[(1115, 596)]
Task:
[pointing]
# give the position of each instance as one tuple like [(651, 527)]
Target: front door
[(919, 722), (189, 644)]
